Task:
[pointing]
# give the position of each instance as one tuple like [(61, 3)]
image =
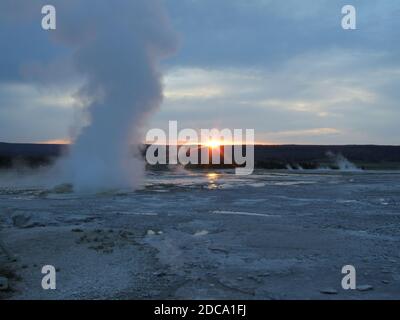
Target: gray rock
[(21, 220), (329, 291), (365, 287), (3, 283), (25, 220)]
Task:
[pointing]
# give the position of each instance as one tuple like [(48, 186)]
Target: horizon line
[(54, 143)]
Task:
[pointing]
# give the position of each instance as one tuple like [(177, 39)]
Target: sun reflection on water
[(212, 179)]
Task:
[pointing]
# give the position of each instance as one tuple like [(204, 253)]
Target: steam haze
[(118, 54)]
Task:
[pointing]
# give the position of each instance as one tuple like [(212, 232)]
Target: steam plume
[(117, 48)]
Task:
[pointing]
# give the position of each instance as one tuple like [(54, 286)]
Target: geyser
[(117, 47)]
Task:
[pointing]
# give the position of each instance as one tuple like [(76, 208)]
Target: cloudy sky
[(285, 68)]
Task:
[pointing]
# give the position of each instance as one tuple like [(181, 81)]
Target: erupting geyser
[(119, 55)]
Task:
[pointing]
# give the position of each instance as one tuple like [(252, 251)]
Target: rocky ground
[(213, 236)]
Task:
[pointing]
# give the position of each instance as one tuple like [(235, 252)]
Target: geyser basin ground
[(272, 235)]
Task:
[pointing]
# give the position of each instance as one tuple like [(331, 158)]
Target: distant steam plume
[(117, 48)]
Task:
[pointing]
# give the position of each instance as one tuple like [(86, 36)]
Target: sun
[(213, 144)]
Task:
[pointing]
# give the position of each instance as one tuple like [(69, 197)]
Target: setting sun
[(213, 144)]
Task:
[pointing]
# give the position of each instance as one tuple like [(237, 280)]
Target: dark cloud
[(268, 32)]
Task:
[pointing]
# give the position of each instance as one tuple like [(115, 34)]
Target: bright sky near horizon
[(284, 68)]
